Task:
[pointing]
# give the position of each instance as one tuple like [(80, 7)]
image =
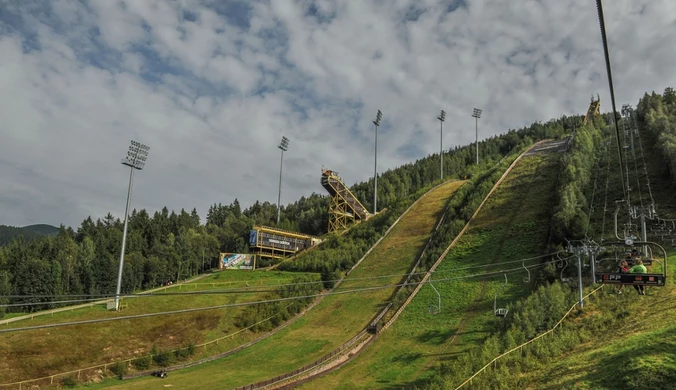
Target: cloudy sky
[(212, 85)]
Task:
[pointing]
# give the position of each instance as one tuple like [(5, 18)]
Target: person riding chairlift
[(623, 269), (639, 268)]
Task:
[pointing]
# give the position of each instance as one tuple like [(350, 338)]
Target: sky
[(211, 86)]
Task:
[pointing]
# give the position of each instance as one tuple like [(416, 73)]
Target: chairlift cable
[(602, 25)]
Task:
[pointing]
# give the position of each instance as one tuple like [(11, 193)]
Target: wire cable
[(239, 304), (248, 289), (604, 39)]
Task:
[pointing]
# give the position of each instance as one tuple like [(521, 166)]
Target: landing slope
[(513, 224), (333, 321)]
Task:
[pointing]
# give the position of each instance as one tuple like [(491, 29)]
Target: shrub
[(142, 363), (119, 369), (162, 358), (69, 381)]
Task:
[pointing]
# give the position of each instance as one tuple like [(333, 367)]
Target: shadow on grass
[(436, 336)]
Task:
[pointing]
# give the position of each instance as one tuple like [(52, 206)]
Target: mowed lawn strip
[(335, 320), (513, 224), (37, 353)]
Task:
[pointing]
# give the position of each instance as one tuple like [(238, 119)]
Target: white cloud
[(212, 89)]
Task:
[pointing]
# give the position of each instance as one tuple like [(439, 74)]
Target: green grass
[(513, 224), (639, 355), (335, 320), (37, 353)]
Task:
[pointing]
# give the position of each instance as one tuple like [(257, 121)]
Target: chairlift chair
[(499, 312), (563, 268), (527, 278)]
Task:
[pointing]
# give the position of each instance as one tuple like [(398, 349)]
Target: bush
[(119, 369), (161, 358), (142, 363), (186, 352), (69, 381)]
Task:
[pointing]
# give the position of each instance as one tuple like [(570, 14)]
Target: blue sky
[(212, 85)]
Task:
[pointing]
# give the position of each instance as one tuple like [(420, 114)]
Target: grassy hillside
[(335, 320), (637, 352), (513, 224), (42, 352)]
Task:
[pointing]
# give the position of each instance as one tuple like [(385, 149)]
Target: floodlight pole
[(442, 118), (136, 158), (477, 114), (283, 145), (376, 122), (124, 241)]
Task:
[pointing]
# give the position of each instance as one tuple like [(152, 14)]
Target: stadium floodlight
[(379, 117), (136, 159), (477, 114), (284, 146), (442, 118)]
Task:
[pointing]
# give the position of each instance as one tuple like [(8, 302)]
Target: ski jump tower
[(344, 207), (593, 109)]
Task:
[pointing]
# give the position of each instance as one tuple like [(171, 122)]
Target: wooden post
[(78, 374), (51, 380)]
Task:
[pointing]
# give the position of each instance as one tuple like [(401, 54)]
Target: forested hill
[(169, 246), (8, 233)]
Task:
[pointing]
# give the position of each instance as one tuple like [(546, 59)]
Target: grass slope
[(513, 224), (641, 354), (42, 352), (332, 322)]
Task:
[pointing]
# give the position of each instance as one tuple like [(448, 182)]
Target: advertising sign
[(644, 279), (236, 261)]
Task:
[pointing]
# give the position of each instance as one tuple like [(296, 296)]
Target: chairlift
[(647, 279), (563, 268), (527, 278), (499, 312)]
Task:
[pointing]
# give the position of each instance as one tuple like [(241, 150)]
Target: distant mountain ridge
[(44, 229), (8, 233)]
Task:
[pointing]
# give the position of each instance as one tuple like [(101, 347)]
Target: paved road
[(89, 304), (560, 145)]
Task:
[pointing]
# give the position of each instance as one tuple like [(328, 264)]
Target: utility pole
[(579, 277)]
